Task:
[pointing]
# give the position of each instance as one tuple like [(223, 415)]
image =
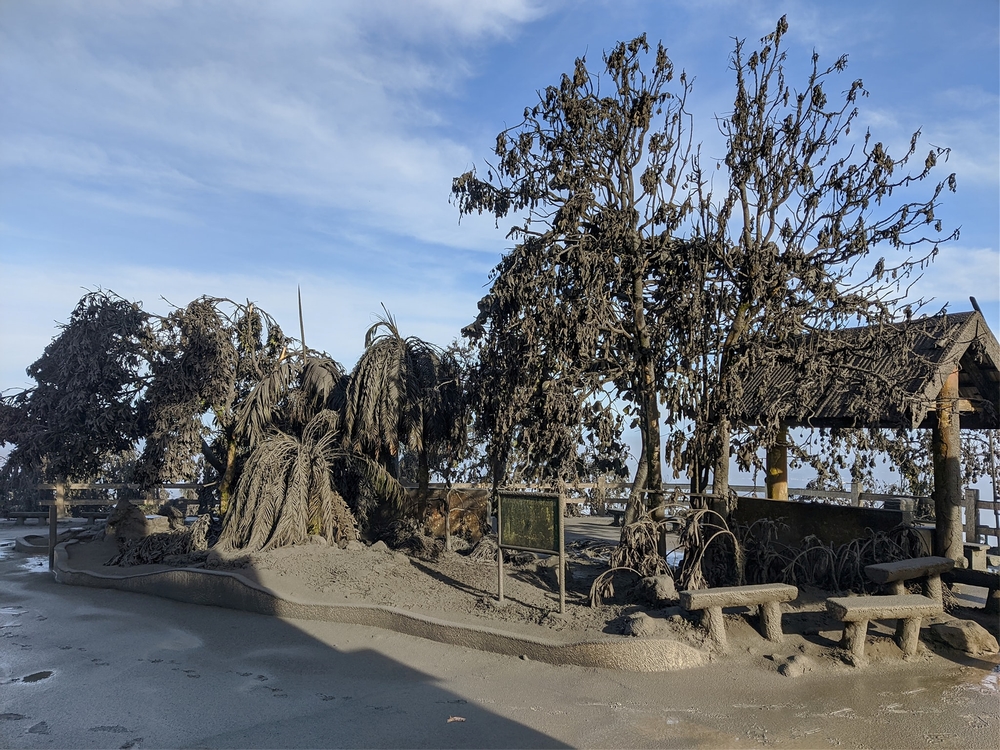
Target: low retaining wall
[(833, 524), (230, 590)]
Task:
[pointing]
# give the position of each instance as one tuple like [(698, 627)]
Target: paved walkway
[(84, 667)]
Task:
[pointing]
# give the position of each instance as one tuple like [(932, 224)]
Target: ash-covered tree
[(302, 478), (596, 172), (595, 448), (895, 461), (633, 278), (217, 367), (84, 407), (815, 230), (403, 392)]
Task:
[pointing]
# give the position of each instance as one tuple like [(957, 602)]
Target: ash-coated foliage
[(403, 392), (791, 249), (210, 361), (598, 168), (220, 380), (83, 408), (645, 275), (287, 490)]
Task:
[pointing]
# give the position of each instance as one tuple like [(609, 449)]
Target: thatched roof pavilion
[(940, 373), (833, 389)]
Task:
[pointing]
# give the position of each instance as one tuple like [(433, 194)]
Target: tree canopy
[(569, 326), (209, 360), (634, 280), (89, 381), (784, 251)]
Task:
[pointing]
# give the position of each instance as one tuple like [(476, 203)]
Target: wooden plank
[(118, 486), (78, 501)]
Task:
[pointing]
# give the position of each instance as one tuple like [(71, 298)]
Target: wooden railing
[(856, 496)]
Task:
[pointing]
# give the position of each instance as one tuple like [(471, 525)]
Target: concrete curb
[(230, 590), (29, 545)]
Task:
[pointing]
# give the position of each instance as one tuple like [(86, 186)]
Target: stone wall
[(836, 524)]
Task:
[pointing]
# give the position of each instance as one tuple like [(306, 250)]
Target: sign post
[(532, 522)]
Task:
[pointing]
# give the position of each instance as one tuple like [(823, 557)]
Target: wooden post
[(560, 520), (971, 515), (777, 468), (856, 490), (948, 495), (57, 509)]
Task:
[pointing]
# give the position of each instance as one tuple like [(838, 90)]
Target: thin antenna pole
[(302, 327)]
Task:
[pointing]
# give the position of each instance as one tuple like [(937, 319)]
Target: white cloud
[(960, 272), (341, 111), (326, 108)]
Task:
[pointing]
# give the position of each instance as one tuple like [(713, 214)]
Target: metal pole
[(499, 552), (560, 520)]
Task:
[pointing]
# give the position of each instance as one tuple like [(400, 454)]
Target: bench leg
[(770, 621), (932, 589), (900, 632), (711, 618), (897, 587), (910, 636), (993, 602), (854, 638)]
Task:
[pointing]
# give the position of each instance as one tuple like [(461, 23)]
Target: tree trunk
[(648, 394), (228, 477), (423, 483), (720, 472), (651, 414), (634, 508), (948, 474)]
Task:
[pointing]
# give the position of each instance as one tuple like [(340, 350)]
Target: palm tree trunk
[(228, 477)]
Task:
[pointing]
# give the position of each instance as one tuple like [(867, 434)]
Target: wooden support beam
[(948, 495), (777, 468)]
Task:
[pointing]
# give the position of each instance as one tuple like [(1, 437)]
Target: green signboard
[(530, 521)]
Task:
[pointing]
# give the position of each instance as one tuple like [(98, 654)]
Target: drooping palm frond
[(713, 556), (403, 392), (256, 415), (289, 396), (287, 490)]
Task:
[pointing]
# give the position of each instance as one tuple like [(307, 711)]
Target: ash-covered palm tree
[(287, 490), (402, 392), (210, 358)]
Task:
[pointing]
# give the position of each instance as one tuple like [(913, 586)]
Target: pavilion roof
[(842, 378)]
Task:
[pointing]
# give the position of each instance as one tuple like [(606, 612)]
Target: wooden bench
[(22, 515), (896, 574), (856, 611), (766, 595)]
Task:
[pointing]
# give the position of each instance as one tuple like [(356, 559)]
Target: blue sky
[(170, 149)]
